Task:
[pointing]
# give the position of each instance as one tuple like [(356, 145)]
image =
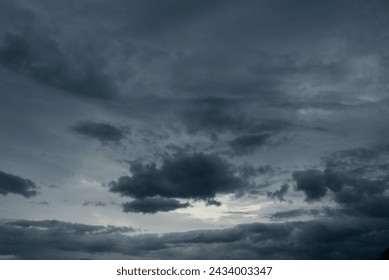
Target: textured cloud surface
[(222, 129), (327, 239)]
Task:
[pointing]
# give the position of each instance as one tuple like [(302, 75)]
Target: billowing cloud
[(311, 182), (153, 205), (188, 176), (357, 179), (103, 132), (10, 183)]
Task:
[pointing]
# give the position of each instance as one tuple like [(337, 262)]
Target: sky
[(194, 129)]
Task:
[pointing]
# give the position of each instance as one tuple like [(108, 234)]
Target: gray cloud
[(103, 132), (94, 203), (10, 183), (153, 205), (319, 239), (296, 213), (213, 202), (357, 178), (311, 182), (41, 59), (279, 194), (271, 83), (247, 170), (195, 176), (70, 228), (248, 143)]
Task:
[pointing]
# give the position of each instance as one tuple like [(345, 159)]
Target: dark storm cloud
[(153, 205), (311, 182), (103, 132), (358, 181), (279, 194), (10, 183), (41, 59), (317, 239), (52, 239), (196, 176)]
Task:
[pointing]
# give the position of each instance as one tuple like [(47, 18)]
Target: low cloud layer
[(319, 239)]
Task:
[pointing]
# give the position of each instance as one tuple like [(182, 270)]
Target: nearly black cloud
[(153, 205), (10, 183), (103, 132), (193, 176)]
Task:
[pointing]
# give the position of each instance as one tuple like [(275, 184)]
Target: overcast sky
[(194, 129)]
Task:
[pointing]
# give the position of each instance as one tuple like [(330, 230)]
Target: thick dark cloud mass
[(153, 205), (193, 176), (103, 132), (357, 178), (311, 182), (17, 185), (319, 239)]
